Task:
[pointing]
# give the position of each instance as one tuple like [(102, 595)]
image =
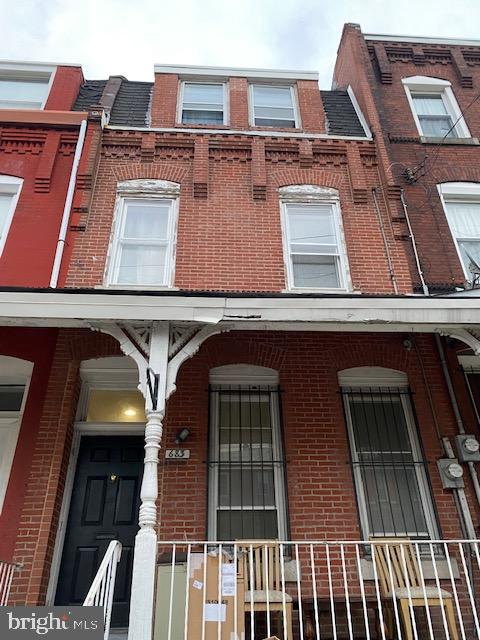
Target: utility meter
[(451, 473), (468, 448)]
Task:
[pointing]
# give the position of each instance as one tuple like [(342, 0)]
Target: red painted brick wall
[(65, 87)]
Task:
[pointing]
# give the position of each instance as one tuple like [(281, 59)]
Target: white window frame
[(147, 191), (13, 371), (437, 87), (12, 186), (382, 378), (311, 195), (28, 71), (458, 192), (226, 114), (251, 104), (246, 375)]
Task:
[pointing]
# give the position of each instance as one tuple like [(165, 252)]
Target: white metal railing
[(100, 593), (319, 590), (7, 569)]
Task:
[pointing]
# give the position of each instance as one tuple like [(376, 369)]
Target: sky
[(127, 37)]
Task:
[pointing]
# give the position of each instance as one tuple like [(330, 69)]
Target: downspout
[(461, 499), (57, 262), (456, 411)]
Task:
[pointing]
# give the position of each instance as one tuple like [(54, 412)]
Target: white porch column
[(145, 551)]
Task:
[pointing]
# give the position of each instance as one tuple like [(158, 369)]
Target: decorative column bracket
[(470, 337)]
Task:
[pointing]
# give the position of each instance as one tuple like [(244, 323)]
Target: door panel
[(104, 507)]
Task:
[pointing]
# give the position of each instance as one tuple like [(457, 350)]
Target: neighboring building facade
[(238, 250)]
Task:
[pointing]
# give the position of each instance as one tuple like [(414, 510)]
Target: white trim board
[(236, 72), (422, 39)]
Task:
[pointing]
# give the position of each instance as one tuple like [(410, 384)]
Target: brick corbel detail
[(356, 173), (463, 72), (383, 64), (259, 171), (418, 55), (200, 168), (43, 177), (147, 149), (305, 154)]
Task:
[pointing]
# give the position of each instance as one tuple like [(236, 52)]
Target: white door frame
[(81, 429)]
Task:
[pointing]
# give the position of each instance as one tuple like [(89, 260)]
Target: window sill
[(135, 287), (339, 292), (461, 141), (200, 127)]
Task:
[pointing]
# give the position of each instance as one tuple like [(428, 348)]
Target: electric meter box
[(468, 448), (451, 473)]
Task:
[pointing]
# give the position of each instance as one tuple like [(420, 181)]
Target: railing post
[(145, 553)]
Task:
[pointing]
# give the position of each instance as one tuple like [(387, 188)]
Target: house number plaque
[(177, 454)]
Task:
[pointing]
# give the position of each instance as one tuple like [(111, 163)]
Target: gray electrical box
[(451, 473), (468, 448)]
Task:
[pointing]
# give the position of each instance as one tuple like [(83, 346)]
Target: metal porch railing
[(7, 569), (319, 590), (101, 592)]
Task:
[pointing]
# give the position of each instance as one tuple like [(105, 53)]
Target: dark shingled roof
[(342, 119), (89, 95), (131, 105)]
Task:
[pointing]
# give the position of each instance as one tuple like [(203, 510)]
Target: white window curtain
[(313, 246), (202, 103), (433, 115), (464, 219), (144, 244)]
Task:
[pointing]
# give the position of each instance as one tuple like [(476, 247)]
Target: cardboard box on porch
[(204, 598)]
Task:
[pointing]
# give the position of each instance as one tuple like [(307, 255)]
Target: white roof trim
[(37, 67), (236, 72), (421, 39)]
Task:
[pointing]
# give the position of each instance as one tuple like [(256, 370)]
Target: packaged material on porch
[(206, 586)]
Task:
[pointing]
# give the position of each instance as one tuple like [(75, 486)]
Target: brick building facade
[(237, 247)]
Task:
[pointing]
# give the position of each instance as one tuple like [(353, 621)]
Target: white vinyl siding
[(273, 106), (314, 247), (23, 93), (203, 103), (143, 244)]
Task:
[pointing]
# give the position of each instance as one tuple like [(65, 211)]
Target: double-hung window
[(246, 461), (24, 86), (461, 203), (273, 106), (143, 244), (388, 465), (314, 244), (203, 103), (9, 193), (435, 109)]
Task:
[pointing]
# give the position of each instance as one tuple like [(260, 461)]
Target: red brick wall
[(231, 240), (64, 91), (43, 158), (320, 488), (376, 72)]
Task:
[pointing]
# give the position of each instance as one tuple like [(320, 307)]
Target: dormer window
[(273, 106), (203, 103)]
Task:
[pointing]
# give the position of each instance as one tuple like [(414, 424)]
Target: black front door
[(104, 506)]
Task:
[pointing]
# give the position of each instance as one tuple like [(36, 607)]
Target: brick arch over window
[(162, 171), (221, 350), (457, 174), (286, 177)]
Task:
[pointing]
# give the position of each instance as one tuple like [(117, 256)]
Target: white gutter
[(68, 206)]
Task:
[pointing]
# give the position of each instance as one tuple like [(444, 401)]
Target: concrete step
[(118, 633)]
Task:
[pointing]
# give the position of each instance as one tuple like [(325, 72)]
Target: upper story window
[(143, 243), (314, 245), (24, 86), (203, 103), (434, 108), (9, 192), (273, 106), (461, 202)]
